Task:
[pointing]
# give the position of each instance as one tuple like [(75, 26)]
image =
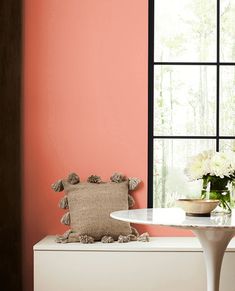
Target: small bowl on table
[(197, 207)]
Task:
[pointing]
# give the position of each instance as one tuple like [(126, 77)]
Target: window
[(191, 90)]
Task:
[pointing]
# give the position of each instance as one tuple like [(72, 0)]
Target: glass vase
[(218, 189), (224, 196)]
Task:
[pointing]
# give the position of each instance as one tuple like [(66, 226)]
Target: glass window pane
[(184, 100), (227, 144), (185, 30), (227, 29), (227, 100), (170, 158)]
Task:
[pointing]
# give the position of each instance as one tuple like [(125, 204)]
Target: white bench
[(163, 264)]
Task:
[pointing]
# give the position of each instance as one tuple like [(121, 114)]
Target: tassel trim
[(65, 219), (58, 186), (73, 178), (64, 203), (133, 183), (131, 201)]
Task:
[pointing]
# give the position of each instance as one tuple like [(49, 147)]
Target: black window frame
[(151, 64)]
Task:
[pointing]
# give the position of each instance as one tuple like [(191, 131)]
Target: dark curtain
[(10, 144)]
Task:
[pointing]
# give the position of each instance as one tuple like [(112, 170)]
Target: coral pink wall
[(85, 103)]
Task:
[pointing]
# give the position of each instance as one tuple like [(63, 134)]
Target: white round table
[(214, 233)]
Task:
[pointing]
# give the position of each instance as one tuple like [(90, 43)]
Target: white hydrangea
[(198, 166), (231, 157), (220, 164)]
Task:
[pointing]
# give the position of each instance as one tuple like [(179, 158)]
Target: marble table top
[(174, 217)]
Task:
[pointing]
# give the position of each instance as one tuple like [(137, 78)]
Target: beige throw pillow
[(90, 206)]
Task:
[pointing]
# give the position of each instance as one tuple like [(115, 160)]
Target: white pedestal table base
[(214, 233), (214, 243)]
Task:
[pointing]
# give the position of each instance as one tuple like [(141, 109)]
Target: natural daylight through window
[(191, 90)]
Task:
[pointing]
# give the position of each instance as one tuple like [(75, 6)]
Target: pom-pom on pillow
[(89, 205)]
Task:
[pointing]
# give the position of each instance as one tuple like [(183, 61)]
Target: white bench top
[(156, 244)]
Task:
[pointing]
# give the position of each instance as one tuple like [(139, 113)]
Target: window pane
[(227, 144), (184, 100), (227, 28), (170, 158), (185, 30), (227, 100)]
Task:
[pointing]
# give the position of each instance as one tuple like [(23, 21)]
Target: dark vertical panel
[(150, 100), (10, 130)]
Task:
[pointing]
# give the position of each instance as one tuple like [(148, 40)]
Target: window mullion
[(150, 101), (218, 78)]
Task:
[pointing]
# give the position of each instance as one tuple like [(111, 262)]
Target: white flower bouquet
[(217, 170)]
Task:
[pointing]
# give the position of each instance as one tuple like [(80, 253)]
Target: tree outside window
[(192, 74)]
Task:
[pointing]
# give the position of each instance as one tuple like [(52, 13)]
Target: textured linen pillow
[(90, 204)]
